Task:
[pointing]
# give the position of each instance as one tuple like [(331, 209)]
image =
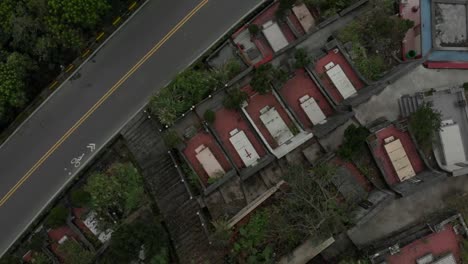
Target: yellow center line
[(101, 101)]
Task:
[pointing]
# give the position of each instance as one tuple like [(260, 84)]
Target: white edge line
[(84, 164), (73, 73)]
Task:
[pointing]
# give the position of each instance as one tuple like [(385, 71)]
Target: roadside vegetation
[(115, 193), (189, 88), (376, 39), (37, 39)]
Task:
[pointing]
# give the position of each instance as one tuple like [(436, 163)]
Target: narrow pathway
[(178, 209), (407, 211)]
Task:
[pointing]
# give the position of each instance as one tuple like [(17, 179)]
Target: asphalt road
[(38, 160)]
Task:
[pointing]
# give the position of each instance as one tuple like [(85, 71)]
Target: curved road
[(46, 152)]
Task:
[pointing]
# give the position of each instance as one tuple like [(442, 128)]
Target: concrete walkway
[(385, 104), (407, 211)]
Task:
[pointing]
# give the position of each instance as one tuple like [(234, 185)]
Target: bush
[(234, 99), (252, 241), (372, 67), (57, 216), (232, 68), (424, 123), (465, 86), (302, 58), (284, 6), (209, 116), (171, 138), (80, 198), (262, 78), (186, 90), (354, 142), (128, 238), (254, 30)]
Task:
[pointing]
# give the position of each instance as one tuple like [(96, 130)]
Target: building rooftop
[(452, 105), (449, 24), (378, 142), (439, 245), (444, 33), (452, 143), (339, 74), (302, 85), (206, 156), (275, 35), (228, 121), (256, 108)]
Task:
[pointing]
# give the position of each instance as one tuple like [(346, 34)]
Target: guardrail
[(91, 46)]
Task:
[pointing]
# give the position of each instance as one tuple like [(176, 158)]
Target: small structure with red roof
[(202, 151), (275, 125), (273, 35), (437, 243), (305, 99), (58, 236), (395, 153), (337, 75)]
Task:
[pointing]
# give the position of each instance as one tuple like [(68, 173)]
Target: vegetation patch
[(119, 190), (38, 37), (423, 124), (376, 39)]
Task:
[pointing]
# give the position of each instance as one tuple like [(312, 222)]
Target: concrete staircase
[(180, 210), (409, 104)]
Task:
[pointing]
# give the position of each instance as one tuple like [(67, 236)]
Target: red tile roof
[(409, 146), (437, 244), (228, 120), (300, 85), (204, 138), (256, 103), (337, 58)]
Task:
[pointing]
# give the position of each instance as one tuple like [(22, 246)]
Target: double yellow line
[(100, 102)]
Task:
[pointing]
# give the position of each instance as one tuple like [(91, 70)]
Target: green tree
[(7, 12), (301, 57), (128, 240), (40, 258), (313, 205), (232, 68), (80, 198), (354, 142), (252, 245), (265, 75), (254, 29), (9, 259), (464, 251), (234, 99), (424, 123), (120, 187), (171, 138), (68, 19), (13, 74), (74, 253), (375, 36), (57, 216), (82, 13), (161, 258), (209, 116)]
